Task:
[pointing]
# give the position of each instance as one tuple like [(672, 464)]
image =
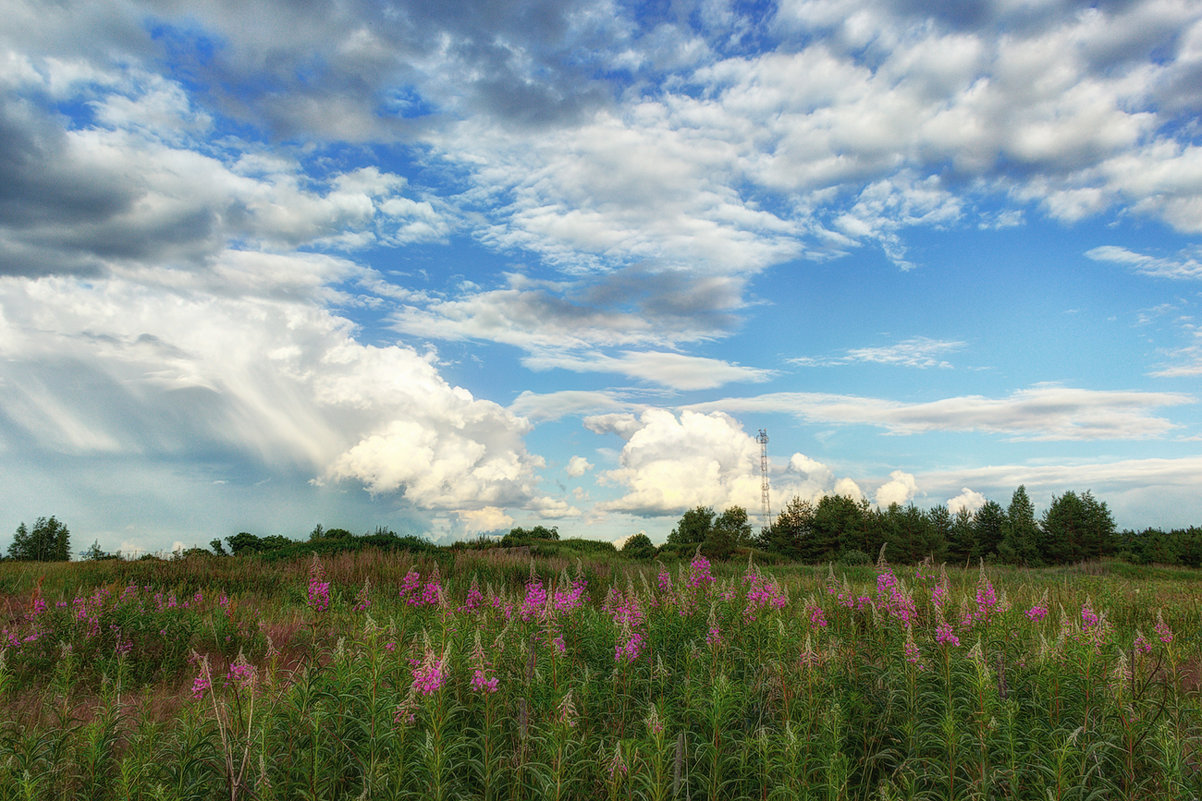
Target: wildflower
[(474, 598), (362, 602), (714, 637), (535, 600), (432, 593), (654, 724), (913, 655), (482, 682), (201, 685), (817, 616), (699, 574), (1162, 629), (945, 636), (987, 602), (319, 588), (429, 676), (1037, 613), (630, 650), (566, 711), (409, 585), (663, 579), (1141, 645), (617, 765), (240, 673), (406, 711)]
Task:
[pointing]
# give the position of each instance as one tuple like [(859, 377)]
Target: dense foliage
[(48, 541), (481, 673)]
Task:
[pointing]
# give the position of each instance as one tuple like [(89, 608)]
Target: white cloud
[(555, 405), (675, 370), (899, 489), (578, 466), (1042, 412), (919, 352), (968, 499), (490, 518), (1185, 266), (813, 470), (275, 380), (671, 463), (848, 489)]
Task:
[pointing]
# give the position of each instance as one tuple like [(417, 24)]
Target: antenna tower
[(763, 440)]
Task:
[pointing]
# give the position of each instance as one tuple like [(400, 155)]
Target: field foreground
[(490, 676)]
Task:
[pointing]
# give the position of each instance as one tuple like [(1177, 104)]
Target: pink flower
[(483, 683), (1163, 630), (1037, 613), (429, 676), (945, 636), (200, 686), (629, 651), (535, 600), (699, 573)]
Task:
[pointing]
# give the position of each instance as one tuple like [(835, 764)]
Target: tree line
[(1075, 527)]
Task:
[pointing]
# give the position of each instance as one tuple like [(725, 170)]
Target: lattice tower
[(763, 440)]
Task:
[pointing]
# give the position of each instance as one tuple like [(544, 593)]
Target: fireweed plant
[(493, 677)]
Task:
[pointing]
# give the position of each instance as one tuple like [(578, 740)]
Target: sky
[(451, 268)]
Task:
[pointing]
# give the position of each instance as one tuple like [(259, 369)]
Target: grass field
[(486, 675)]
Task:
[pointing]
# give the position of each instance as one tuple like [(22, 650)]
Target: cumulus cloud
[(899, 489), (578, 466), (279, 382), (968, 500), (669, 463), (848, 488), (1042, 412), (490, 518)]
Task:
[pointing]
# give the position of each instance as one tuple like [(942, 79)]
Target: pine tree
[(1020, 534)]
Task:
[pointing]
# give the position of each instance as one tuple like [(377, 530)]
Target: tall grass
[(488, 676)]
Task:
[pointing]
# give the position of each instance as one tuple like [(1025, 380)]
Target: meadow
[(492, 675)]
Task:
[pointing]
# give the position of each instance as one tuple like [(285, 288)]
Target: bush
[(638, 547), (854, 557)]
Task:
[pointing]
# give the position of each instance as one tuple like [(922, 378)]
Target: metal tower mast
[(763, 440)]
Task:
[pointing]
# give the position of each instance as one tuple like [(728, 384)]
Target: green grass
[(640, 686)]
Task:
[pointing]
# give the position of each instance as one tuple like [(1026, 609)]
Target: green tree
[(989, 526), (1075, 527), (791, 530), (841, 525), (1020, 534), (961, 536), (94, 553), (524, 536), (48, 541), (638, 546), (244, 543), (938, 531), (733, 526), (694, 527)]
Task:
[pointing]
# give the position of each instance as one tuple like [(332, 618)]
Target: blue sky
[(451, 268)]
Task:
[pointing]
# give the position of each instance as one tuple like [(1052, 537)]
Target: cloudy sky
[(453, 267)]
